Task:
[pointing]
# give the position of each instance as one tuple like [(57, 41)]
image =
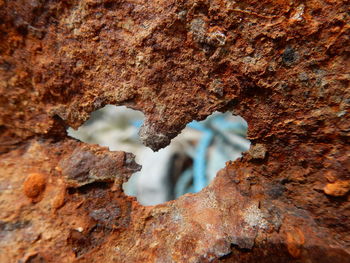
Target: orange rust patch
[(295, 240), (34, 185), (338, 188), (58, 200)]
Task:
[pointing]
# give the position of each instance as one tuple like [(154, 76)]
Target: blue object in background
[(218, 131), (199, 162), (194, 179)]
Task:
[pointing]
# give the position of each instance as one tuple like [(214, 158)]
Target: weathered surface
[(282, 65)]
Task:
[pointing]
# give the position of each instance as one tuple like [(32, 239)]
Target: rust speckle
[(338, 188), (34, 185), (295, 239), (58, 200)]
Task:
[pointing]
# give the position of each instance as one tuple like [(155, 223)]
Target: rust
[(34, 185), (281, 65), (338, 188), (295, 240)]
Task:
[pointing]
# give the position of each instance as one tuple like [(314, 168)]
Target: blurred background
[(188, 164)]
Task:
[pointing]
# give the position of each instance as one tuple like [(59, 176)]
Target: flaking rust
[(281, 65)]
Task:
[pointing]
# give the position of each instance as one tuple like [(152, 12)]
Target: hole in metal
[(188, 164)]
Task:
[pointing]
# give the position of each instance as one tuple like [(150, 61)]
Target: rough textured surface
[(282, 65)]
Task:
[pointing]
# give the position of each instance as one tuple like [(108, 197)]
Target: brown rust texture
[(282, 65)]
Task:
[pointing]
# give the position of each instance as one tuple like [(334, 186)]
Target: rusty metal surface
[(282, 65)]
